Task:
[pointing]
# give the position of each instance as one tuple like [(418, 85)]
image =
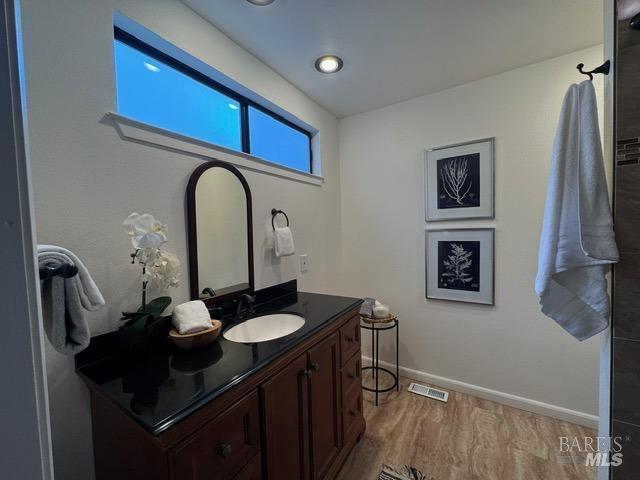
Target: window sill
[(134, 130)]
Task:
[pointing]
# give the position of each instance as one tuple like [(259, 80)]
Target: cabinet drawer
[(253, 471), (351, 412), (222, 447), (352, 374), (350, 338)]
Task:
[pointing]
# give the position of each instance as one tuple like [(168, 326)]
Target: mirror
[(220, 232)]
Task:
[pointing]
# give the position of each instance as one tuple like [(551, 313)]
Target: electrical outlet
[(304, 263)]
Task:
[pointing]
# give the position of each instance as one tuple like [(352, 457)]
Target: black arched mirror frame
[(192, 233)]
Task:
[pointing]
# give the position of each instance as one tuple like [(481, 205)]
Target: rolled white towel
[(283, 242), (191, 317)]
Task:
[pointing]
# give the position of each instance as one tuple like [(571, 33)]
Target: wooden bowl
[(199, 339)]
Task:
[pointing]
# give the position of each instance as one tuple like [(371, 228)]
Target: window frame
[(134, 42)]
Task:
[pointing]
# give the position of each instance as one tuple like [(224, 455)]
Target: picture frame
[(460, 265), (459, 181)]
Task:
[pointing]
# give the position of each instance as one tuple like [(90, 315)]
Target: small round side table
[(376, 325)]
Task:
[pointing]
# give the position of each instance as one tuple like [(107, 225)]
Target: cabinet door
[(286, 423), (220, 449), (325, 408)]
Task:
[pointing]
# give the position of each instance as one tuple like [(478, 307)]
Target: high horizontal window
[(277, 142), (156, 89)]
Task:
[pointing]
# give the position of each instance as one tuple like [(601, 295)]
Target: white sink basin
[(264, 328)]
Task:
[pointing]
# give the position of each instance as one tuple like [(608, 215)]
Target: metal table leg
[(397, 356), (377, 360)]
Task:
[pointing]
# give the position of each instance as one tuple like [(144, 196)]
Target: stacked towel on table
[(366, 309), (64, 301)]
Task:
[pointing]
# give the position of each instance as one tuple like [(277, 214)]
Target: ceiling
[(394, 50)]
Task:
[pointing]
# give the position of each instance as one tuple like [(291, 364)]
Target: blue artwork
[(459, 181), (459, 265)]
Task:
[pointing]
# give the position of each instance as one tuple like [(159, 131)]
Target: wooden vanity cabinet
[(298, 418), (222, 447), (351, 380), (325, 405), (252, 471), (285, 416), (303, 415)]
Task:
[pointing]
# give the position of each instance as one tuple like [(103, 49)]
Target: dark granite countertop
[(165, 387)]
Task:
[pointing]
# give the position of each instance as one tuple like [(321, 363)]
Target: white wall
[(87, 179), (512, 347)]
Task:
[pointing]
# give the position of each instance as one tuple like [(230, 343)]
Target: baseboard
[(523, 403)]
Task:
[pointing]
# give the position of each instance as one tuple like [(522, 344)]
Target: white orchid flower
[(145, 231), (147, 236), (166, 269)]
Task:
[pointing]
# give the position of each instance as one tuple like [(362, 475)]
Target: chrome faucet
[(245, 297)]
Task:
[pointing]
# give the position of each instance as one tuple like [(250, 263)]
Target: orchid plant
[(158, 265)]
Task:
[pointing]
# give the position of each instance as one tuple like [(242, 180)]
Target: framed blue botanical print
[(459, 181), (460, 265)]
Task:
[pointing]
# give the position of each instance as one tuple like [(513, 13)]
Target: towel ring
[(274, 213)]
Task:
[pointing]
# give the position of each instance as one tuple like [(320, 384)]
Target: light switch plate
[(304, 263)]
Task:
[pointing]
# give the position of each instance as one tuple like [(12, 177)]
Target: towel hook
[(64, 271), (274, 213), (605, 68)]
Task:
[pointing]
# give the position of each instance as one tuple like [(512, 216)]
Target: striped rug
[(406, 473)]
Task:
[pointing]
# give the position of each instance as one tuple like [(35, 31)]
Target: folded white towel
[(283, 242), (577, 240), (90, 295), (191, 317)]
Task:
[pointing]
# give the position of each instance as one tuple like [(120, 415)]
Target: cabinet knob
[(352, 413), (315, 367), (350, 376), (307, 373), (224, 450), (349, 339)]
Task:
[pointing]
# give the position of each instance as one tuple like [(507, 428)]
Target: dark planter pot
[(137, 343)]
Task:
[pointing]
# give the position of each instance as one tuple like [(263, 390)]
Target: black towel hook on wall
[(605, 68), (64, 271), (274, 213)]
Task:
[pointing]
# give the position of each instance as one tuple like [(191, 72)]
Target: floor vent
[(430, 392)]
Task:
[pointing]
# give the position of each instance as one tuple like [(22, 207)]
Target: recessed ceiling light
[(329, 64), (261, 3)]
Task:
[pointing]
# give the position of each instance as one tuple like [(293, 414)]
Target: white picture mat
[(486, 209), (486, 238)]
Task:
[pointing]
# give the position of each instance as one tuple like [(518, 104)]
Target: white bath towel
[(577, 242), (283, 242), (65, 299), (90, 296), (191, 317)]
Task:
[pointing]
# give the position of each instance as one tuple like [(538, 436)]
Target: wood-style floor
[(467, 438)]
